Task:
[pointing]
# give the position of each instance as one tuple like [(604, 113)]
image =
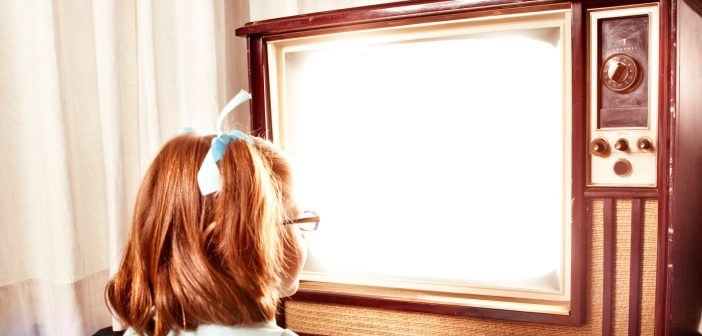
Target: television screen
[(437, 154)]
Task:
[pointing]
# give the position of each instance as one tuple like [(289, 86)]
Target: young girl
[(213, 264)]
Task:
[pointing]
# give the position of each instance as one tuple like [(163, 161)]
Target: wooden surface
[(666, 90), (258, 77), (685, 245), (376, 13)]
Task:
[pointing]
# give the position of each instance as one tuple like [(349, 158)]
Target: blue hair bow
[(208, 175)]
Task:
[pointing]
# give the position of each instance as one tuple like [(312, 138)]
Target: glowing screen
[(432, 159)]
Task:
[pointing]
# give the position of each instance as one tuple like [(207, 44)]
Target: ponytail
[(251, 243)]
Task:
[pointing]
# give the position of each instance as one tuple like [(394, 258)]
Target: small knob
[(599, 147), (622, 167), (621, 145), (645, 144)]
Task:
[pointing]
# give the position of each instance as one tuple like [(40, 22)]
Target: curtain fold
[(270, 9), (89, 91)]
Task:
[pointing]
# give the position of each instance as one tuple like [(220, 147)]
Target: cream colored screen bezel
[(550, 302)]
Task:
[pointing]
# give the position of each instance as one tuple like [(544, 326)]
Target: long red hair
[(216, 259)]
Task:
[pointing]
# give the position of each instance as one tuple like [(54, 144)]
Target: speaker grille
[(648, 276), (621, 267)]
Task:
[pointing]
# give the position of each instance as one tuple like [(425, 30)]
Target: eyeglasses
[(308, 222)]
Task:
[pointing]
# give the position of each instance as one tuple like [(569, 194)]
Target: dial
[(620, 73)]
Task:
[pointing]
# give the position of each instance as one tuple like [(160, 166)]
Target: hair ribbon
[(208, 175)]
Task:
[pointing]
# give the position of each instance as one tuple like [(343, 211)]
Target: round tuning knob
[(599, 147), (621, 145), (620, 73), (622, 167), (645, 144)]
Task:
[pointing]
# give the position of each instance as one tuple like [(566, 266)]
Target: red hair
[(216, 259)]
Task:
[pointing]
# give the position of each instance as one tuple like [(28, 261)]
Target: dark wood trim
[(579, 229), (601, 192), (635, 266), (696, 5), (666, 127), (684, 234), (258, 79), (377, 13), (397, 11), (609, 213), (517, 8), (592, 4)]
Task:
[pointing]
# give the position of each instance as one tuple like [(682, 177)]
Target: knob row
[(600, 146)]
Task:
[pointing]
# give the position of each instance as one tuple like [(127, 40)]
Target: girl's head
[(223, 258)]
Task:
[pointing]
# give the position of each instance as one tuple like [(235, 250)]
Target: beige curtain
[(269, 9), (89, 90)]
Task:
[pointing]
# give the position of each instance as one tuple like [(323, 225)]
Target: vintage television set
[(491, 167)]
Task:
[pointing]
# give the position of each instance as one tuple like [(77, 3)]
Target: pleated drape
[(89, 91)]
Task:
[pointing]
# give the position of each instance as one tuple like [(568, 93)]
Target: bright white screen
[(437, 160)]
